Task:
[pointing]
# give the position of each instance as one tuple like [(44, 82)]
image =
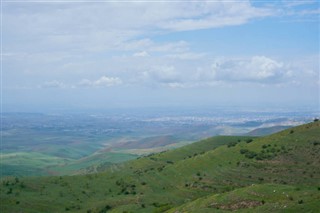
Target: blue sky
[(71, 55)]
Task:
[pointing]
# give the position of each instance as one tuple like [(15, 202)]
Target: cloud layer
[(207, 46), (61, 25)]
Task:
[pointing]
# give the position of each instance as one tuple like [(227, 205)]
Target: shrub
[(105, 209), (22, 185), (262, 156), (273, 150), (249, 140), (243, 151), (9, 191), (315, 143), (16, 179), (232, 144), (250, 154)]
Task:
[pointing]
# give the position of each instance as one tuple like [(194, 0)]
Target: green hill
[(267, 130), (276, 173)]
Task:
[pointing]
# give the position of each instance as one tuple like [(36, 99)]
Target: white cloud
[(64, 40), (218, 72), (256, 69), (104, 81), (107, 81), (99, 27), (207, 15)]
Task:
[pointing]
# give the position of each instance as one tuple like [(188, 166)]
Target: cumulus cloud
[(256, 69), (104, 81), (220, 72)]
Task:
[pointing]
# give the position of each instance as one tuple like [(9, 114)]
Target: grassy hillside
[(92, 163), (18, 163), (38, 164), (51, 153), (223, 173), (267, 130), (257, 198)]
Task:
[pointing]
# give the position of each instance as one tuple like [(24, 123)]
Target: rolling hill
[(267, 130), (275, 173)]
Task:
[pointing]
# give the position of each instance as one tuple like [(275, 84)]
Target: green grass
[(92, 163), (38, 164), (24, 163), (257, 198), (191, 177)]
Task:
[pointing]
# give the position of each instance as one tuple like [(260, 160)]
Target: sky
[(80, 55)]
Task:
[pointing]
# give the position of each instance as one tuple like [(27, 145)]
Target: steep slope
[(159, 182)]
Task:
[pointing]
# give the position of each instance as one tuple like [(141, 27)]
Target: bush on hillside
[(232, 144), (249, 140)]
